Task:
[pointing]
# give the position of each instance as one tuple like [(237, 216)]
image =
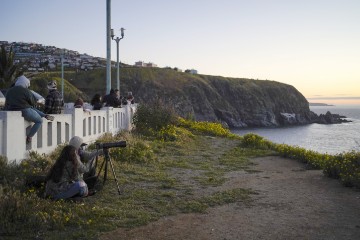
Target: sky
[(313, 45)]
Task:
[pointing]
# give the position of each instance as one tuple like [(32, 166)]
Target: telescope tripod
[(105, 163)]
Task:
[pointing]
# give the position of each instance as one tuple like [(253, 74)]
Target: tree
[(7, 67)]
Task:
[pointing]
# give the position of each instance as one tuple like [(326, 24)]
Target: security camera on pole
[(117, 39)]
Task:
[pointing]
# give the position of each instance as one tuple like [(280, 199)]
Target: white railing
[(88, 124)]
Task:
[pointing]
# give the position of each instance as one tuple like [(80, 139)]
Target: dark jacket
[(18, 98), (53, 102), (112, 100)]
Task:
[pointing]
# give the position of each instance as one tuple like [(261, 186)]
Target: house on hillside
[(143, 64)]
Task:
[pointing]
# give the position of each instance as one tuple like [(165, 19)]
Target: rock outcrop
[(329, 118)]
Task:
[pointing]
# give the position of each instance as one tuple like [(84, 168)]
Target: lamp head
[(122, 32), (112, 33)]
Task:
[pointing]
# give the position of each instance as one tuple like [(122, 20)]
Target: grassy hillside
[(236, 102), (71, 93)]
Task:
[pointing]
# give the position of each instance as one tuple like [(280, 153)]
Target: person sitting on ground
[(20, 98), (113, 99), (65, 178), (96, 102), (54, 102)]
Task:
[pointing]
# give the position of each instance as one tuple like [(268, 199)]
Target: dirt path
[(293, 203)]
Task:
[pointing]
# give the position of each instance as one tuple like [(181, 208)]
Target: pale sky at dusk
[(313, 45)]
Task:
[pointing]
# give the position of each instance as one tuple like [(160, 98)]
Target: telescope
[(111, 144), (105, 147)]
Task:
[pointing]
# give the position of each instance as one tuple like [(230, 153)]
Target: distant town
[(39, 58)]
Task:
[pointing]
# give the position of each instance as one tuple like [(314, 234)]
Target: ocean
[(331, 139)]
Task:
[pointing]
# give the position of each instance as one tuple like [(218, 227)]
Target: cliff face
[(236, 102)]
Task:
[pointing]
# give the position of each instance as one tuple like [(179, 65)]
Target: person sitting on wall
[(79, 103), (130, 98), (106, 97), (65, 178), (20, 98), (113, 99), (54, 102), (96, 102)]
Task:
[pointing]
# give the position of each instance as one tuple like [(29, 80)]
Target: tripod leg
[(106, 160), (113, 171), (102, 165)]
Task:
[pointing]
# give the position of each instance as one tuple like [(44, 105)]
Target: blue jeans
[(77, 188), (33, 115)]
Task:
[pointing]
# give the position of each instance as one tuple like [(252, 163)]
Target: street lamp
[(117, 40), (62, 72)]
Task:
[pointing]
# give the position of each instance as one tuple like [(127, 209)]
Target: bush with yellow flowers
[(345, 166), (210, 128), (255, 141)]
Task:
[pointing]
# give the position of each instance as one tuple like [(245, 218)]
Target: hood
[(23, 82)]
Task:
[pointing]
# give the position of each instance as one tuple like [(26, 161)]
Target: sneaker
[(49, 117), (91, 193), (28, 140)]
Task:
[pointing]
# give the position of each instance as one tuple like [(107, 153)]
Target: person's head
[(52, 85), (23, 82), (117, 92), (77, 142), (129, 93), (79, 103), (96, 98)]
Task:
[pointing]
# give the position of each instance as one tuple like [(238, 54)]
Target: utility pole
[(117, 40), (108, 46)]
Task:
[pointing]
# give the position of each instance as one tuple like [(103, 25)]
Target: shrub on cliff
[(154, 117)]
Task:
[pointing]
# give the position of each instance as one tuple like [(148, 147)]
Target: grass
[(165, 178), (157, 178)]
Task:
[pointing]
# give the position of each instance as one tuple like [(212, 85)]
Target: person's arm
[(88, 156), (31, 98), (82, 168)]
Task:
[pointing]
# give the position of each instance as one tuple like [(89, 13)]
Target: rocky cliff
[(236, 102)]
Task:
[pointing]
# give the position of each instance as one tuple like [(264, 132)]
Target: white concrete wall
[(89, 125)]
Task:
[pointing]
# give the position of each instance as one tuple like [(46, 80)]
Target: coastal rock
[(329, 118)]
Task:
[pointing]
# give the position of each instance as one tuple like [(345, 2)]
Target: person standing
[(20, 98), (54, 102)]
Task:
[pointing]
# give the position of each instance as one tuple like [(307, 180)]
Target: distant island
[(320, 104)]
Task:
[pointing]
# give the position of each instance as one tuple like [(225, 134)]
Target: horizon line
[(333, 98)]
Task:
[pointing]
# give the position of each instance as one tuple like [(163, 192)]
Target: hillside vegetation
[(235, 102)]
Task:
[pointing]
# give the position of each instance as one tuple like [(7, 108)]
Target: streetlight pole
[(108, 46), (62, 73), (117, 40)]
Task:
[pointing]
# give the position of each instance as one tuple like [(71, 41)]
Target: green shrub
[(137, 149), (255, 141), (213, 129), (153, 116), (349, 168)]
